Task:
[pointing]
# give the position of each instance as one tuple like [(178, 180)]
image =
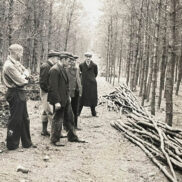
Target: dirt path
[(107, 156)]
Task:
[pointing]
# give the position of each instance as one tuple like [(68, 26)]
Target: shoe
[(30, 146), (79, 129), (63, 136), (34, 146), (76, 140), (58, 144), (93, 111), (45, 133), (94, 114)]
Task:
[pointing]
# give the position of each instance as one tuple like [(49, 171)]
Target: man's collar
[(50, 62), (12, 60)]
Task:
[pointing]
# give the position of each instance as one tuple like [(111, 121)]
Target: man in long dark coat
[(89, 73), (58, 96)]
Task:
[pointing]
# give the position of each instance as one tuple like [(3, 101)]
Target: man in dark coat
[(58, 96), (43, 80), (89, 73)]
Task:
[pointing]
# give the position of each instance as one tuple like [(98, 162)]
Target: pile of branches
[(161, 143), (33, 88), (4, 110)]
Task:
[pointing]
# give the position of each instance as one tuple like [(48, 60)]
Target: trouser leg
[(69, 121), (47, 113), (80, 107), (16, 120), (56, 125), (93, 110), (25, 130), (74, 105)]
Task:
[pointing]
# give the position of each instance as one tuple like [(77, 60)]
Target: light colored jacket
[(74, 81), (14, 74)]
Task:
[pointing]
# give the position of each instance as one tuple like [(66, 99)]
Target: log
[(158, 140)]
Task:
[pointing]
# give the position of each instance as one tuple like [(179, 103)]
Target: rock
[(21, 150), (22, 169), (151, 174), (23, 180), (46, 158), (1, 151), (47, 148)]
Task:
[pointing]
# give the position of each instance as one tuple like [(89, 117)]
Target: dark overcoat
[(44, 74), (58, 89), (89, 84)]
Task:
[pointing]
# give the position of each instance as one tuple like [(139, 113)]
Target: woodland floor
[(107, 156)]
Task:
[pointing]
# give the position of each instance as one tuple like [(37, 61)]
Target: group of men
[(64, 89)]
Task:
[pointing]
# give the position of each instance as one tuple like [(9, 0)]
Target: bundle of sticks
[(161, 143), (4, 110)]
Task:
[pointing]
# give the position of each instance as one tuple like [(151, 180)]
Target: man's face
[(88, 58), (65, 61), (72, 63), (55, 59), (18, 54)]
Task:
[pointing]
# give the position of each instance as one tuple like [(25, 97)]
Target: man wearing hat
[(89, 73), (58, 96), (75, 86), (53, 58)]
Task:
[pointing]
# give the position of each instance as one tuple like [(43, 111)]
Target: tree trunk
[(156, 49), (69, 21), (164, 60), (171, 63), (179, 71), (50, 44), (10, 21)]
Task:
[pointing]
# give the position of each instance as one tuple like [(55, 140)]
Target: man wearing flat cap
[(53, 58), (89, 73), (75, 86), (58, 96)]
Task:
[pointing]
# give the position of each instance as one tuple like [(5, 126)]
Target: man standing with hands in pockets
[(75, 87)]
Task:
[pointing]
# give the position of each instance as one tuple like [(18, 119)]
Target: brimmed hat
[(65, 55), (53, 53), (88, 54)]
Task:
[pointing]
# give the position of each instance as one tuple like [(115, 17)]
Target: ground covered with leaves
[(107, 156)]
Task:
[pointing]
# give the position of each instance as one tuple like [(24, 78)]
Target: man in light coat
[(15, 77), (75, 86)]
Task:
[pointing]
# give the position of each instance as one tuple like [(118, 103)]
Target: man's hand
[(26, 73), (57, 106)]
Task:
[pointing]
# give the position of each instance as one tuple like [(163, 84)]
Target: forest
[(142, 42), (137, 46)]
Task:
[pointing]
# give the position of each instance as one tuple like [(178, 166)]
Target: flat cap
[(75, 56), (88, 54), (53, 53)]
